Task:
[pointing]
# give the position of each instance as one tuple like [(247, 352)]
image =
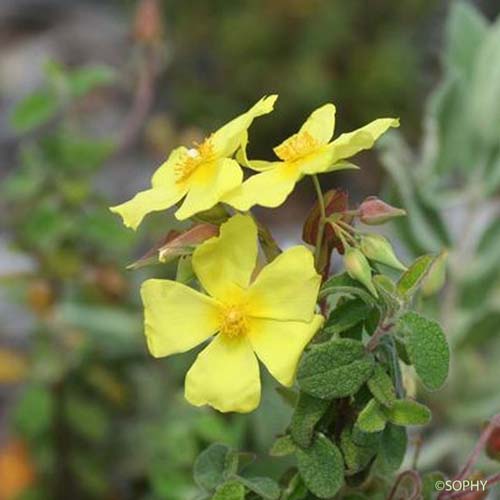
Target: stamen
[(233, 322), (192, 159), (297, 146)]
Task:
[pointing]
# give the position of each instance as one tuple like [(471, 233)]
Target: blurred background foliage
[(94, 94)]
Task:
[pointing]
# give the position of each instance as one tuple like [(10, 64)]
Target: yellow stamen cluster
[(297, 146), (233, 322), (192, 159)]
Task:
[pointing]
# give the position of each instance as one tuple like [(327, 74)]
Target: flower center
[(297, 146), (192, 159), (233, 321)]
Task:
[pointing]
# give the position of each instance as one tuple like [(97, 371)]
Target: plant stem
[(483, 439), (321, 222), (381, 330)]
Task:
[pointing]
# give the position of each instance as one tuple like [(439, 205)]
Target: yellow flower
[(271, 317), (307, 152), (202, 174)]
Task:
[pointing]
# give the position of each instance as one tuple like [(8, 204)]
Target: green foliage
[(334, 369), (344, 284), (382, 387), (34, 110), (372, 418), (232, 490), (393, 443), (357, 455), (427, 349), (306, 415), (265, 487), (283, 446), (321, 467), (413, 277), (346, 315), (408, 412), (210, 466)]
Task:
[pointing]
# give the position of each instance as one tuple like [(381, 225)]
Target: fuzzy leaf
[(408, 412), (381, 386), (232, 490), (392, 451), (307, 414), (321, 467), (427, 349), (372, 418), (282, 447), (345, 285), (411, 279), (334, 369), (356, 457), (346, 315), (265, 487), (210, 465)]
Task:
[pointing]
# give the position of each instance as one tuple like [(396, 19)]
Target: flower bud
[(358, 268), (379, 249), (374, 211), (436, 276), (493, 445), (148, 27)]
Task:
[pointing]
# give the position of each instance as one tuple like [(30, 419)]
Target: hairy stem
[(321, 222)]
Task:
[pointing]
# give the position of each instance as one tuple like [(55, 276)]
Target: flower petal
[(226, 262), (207, 186), (347, 145), (287, 288), (165, 192), (225, 376), (279, 344), (324, 160), (176, 317), (321, 124), (268, 189), (258, 165), (145, 202), (228, 139)]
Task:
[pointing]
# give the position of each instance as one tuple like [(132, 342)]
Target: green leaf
[(295, 489), (408, 412), (33, 413), (393, 443), (411, 279), (485, 87), (232, 490), (346, 315), (372, 418), (334, 369), (465, 30), (83, 80), (321, 467), (423, 228), (307, 414), (381, 386), (210, 465), (343, 284), (356, 457), (73, 153), (387, 290), (86, 417), (265, 487), (34, 110), (427, 349), (283, 446)]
